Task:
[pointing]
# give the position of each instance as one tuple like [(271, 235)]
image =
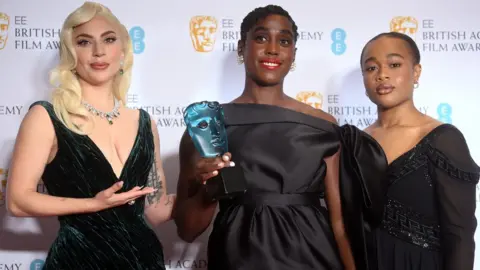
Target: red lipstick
[(271, 63)]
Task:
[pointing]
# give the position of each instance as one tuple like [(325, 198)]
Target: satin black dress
[(115, 238), (280, 223), (429, 219)]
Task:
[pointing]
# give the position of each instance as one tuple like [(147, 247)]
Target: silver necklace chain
[(108, 115)]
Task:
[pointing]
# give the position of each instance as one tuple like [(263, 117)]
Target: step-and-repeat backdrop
[(175, 65)]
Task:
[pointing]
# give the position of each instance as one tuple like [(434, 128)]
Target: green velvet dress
[(115, 238)]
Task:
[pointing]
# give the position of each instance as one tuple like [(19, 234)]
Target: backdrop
[(175, 66)]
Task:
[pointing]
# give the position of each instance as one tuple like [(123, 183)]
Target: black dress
[(115, 238), (429, 220), (280, 223)]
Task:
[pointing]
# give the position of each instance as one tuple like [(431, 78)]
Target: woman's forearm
[(344, 246), (161, 211), (35, 204)]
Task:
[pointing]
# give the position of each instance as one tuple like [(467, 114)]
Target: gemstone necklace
[(108, 115)]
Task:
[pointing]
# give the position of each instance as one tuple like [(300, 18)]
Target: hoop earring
[(240, 59), (293, 66), (416, 85)]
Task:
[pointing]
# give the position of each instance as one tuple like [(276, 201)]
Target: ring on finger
[(131, 202)]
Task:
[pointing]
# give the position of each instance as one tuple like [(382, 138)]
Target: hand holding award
[(206, 126)]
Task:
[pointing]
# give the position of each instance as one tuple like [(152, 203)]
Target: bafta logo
[(202, 33), (4, 24), (404, 24), (314, 99)]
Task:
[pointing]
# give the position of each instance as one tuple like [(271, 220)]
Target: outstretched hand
[(109, 198)]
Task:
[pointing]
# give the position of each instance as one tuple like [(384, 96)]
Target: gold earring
[(240, 59), (293, 66)]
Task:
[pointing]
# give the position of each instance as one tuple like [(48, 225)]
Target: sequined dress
[(113, 239), (429, 218)]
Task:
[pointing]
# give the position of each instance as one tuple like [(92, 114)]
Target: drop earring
[(240, 59), (121, 67), (293, 66), (416, 85)]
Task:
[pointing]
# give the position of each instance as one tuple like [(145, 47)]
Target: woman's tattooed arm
[(154, 180), (159, 204)]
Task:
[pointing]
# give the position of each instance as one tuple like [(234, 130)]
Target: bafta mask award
[(206, 126)]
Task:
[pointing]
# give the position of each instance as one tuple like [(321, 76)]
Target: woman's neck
[(100, 97), (268, 95), (402, 115)]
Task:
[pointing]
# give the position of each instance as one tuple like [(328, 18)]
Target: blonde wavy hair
[(67, 92)]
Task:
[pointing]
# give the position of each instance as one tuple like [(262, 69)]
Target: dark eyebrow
[(390, 55), (262, 28), (89, 36)]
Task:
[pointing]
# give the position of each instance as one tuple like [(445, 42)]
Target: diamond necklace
[(108, 115)]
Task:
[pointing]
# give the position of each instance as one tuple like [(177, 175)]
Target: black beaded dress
[(429, 219)]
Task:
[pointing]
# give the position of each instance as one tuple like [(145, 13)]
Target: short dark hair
[(261, 13), (415, 52)]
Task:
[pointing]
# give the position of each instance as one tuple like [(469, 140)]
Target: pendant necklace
[(108, 115)]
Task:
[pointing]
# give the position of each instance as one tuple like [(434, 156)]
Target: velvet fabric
[(115, 238)]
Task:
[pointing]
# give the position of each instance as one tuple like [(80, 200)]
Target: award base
[(229, 182)]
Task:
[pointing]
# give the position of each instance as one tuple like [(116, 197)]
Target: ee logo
[(37, 264), (137, 35), (338, 37), (444, 111)]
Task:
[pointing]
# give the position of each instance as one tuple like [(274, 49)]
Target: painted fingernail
[(215, 173), (221, 165), (232, 164), (226, 158)]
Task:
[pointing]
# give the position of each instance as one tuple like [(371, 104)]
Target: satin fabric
[(115, 238), (363, 168), (281, 223)]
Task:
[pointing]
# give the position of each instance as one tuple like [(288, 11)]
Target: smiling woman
[(268, 49), (100, 161), (290, 155)]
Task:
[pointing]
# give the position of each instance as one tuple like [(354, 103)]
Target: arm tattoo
[(169, 199), (155, 182)]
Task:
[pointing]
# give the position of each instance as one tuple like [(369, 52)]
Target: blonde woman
[(99, 160)]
